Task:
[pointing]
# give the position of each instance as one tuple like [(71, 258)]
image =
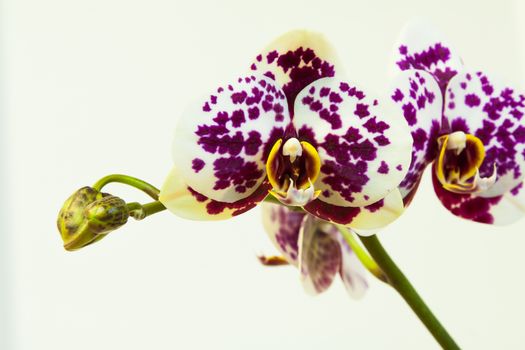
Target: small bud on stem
[(88, 215)]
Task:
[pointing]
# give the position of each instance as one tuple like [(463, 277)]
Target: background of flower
[(90, 88)]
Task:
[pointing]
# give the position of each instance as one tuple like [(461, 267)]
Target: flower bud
[(88, 216)]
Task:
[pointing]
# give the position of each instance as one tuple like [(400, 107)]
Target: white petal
[(352, 271), (511, 208), (221, 142), (363, 142), (319, 257)]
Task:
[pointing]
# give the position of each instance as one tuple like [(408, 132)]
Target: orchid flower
[(468, 125), (314, 246), (295, 132), (293, 128)]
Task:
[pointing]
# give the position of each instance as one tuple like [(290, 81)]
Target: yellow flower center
[(292, 168), (458, 163)]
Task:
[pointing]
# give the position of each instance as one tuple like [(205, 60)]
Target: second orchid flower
[(471, 127)]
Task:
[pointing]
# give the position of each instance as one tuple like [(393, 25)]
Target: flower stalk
[(402, 285), (145, 187), (89, 215)]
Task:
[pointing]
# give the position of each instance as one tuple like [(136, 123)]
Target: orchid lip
[(457, 166), (292, 167), (297, 197)]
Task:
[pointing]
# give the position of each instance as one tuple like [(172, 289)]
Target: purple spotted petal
[(282, 226), (500, 210), (418, 99), (187, 203), (494, 113), (221, 144), (421, 46), (319, 257), (352, 271), (364, 148), (295, 60), (369, 218)]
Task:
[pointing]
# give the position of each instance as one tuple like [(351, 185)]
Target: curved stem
[(145, 187), (362, 254), (401, 284)]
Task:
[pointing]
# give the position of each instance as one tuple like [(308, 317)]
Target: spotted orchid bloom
[(471, 127), (315, 247), (294, 128)]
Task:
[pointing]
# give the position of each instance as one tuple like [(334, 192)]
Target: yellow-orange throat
[(457, 166), (292, 168)]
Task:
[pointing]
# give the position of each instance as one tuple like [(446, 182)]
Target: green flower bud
[(88, 216)]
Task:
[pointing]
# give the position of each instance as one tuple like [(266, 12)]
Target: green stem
[(362, 254), (401, 284), (153, 208), (141, 211), (145, 187)]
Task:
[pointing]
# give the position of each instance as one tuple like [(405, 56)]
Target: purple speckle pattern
[(466, 206), (421, 47), (353, 136), (197, 164), (498, 210), (301, 65), (221, 146), (323, 252), (341, 215), (320, 256), (493, 113), (471, 100), (383, 168), (241, 206), (345, 168), (283, 226), (235, 172), (434, 57), (332, 213), (417, 92)]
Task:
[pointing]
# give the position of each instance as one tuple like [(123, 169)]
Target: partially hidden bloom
[(316, 248), (294, 128), (469, 126)]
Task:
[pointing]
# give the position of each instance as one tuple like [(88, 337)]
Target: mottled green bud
[(88, 216)]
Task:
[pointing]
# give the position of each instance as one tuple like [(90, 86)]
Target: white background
[(95, 87)]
